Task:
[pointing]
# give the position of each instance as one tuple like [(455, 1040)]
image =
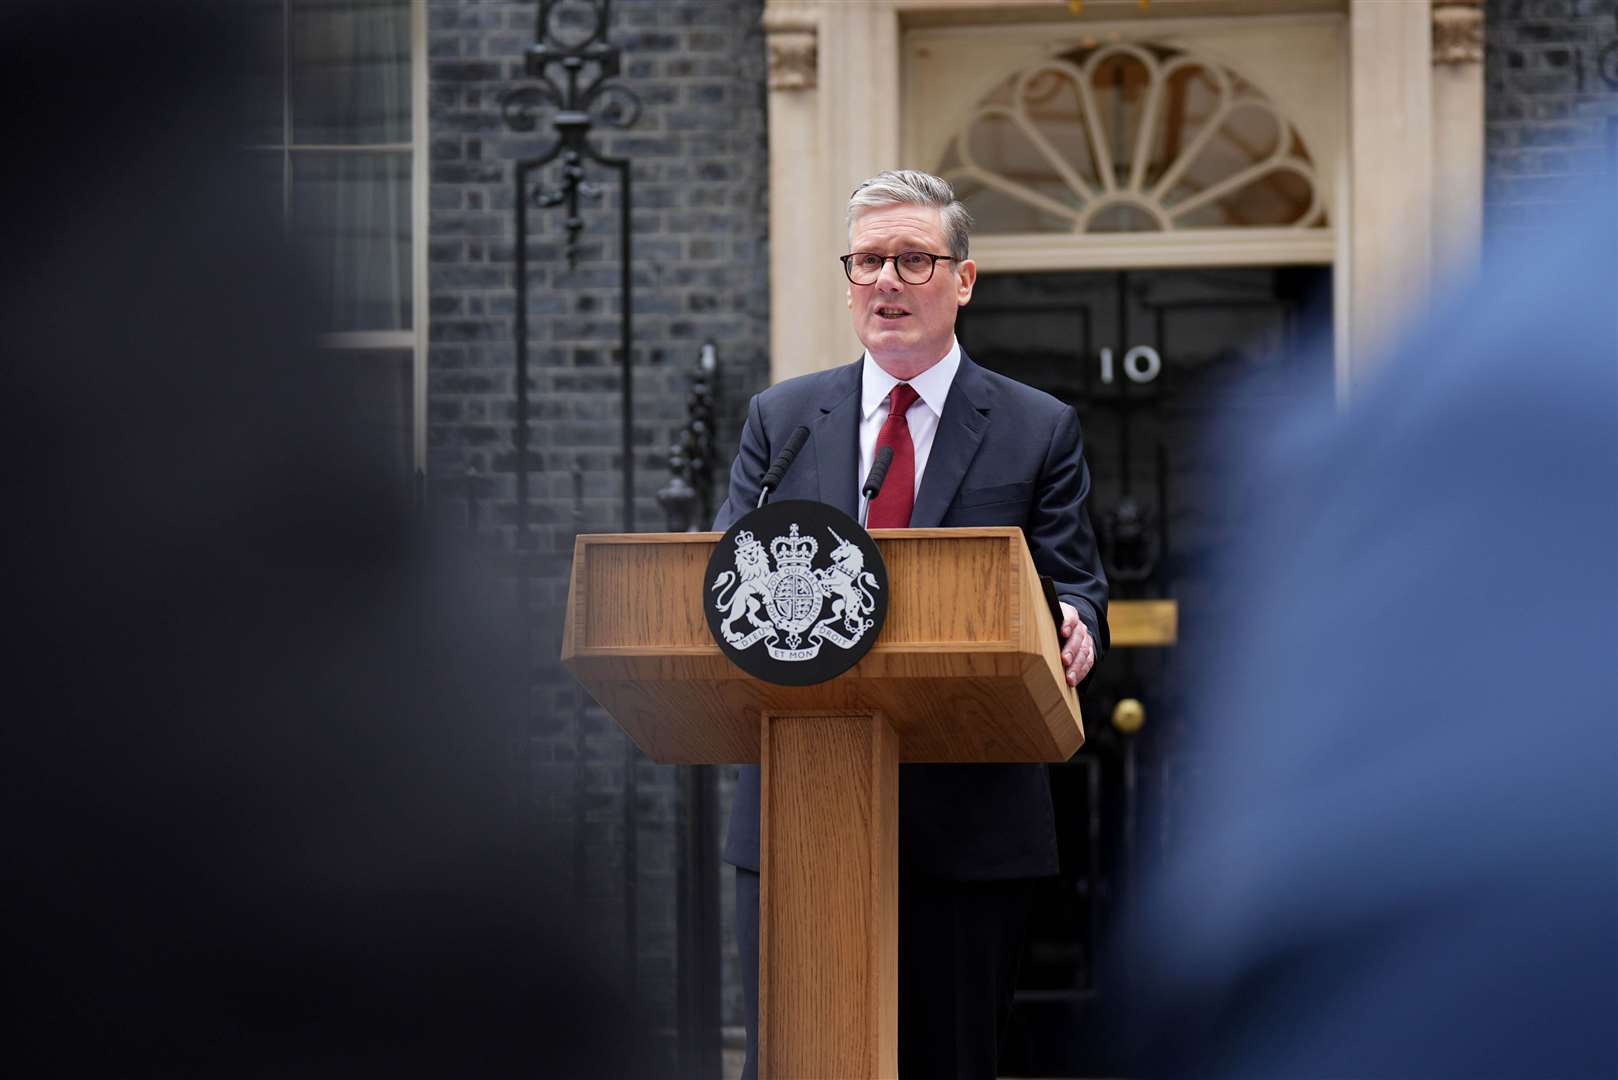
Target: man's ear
[(966, 275), (848, 295)]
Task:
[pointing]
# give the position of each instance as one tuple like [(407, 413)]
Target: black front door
[(1164, 367)]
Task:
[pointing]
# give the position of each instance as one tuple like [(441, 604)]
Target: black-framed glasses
[(914, 267)]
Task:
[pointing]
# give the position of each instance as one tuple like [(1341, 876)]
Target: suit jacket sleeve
[(1059, 534), (746, 471)]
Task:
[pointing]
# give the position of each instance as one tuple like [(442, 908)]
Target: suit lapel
[(960, 433), (836, 441)]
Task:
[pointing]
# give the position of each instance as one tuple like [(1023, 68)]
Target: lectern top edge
[(976, 531)]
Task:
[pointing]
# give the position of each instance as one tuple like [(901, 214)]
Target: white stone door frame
[(1409, 203)]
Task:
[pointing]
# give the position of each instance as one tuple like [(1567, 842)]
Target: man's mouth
[(890, 313)]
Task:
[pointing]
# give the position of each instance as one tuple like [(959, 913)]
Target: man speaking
[(969, 447)]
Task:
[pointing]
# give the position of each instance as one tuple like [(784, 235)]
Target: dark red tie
[(891, 507)]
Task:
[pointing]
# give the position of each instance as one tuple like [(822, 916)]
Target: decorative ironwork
[(583, 99), (687, 499), (571, 63), (1607, 61), (470, 483), (570, 66), (697, 909)]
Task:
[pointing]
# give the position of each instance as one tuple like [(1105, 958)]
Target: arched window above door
[(1131, 137)]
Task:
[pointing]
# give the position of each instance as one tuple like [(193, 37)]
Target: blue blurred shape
[(1404, 856)]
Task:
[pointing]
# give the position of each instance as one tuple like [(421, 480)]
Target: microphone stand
[(776, 472), (874, 479)]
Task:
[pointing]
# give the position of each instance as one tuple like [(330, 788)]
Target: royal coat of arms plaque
[(796, 592)]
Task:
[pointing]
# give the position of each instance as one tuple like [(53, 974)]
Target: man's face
[(907, 328)]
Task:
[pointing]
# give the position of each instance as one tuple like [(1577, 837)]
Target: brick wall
[(1548, 104), (700, 225)]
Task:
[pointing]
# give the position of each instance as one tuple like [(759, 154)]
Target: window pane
[(377, 385), (350, 62), (266, 183), (351, 212), (266, 82)]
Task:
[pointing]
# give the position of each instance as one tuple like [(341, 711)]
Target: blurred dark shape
[(1130, 546), (265, 810), (1404, 857)]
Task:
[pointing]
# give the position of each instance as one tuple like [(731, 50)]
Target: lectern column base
[(829, 897)]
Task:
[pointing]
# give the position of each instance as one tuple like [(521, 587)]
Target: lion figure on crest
[(751, 587)]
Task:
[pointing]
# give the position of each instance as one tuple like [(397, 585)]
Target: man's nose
[(888, 277)]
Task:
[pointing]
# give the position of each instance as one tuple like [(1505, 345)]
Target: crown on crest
[(794, 551), (744, 539)]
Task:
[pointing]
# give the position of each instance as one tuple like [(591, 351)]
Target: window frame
[(380, 341)]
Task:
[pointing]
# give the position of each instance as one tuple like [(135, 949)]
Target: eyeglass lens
[(914, 267)]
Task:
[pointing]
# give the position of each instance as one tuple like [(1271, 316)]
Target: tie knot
[(899, 401)]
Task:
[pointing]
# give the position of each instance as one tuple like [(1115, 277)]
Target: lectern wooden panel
[(968, 655), (967, 669), (829, 897)]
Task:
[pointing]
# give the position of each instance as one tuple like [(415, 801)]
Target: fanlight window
[(1131, 138)]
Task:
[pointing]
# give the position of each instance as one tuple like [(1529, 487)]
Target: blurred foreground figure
[(264, 809), (1403, 855)]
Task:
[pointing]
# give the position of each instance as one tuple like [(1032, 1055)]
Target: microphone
[(874, 478), (794, 443)]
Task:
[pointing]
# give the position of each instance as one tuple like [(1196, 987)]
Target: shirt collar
[(932, 385)]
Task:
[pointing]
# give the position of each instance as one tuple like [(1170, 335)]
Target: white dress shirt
[(932, 386)]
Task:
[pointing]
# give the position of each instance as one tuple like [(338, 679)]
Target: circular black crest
[(796, 592)]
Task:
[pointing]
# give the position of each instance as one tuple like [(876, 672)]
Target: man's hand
[(1078, 651)]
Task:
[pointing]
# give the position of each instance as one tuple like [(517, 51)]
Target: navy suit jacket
[(1004, 454)]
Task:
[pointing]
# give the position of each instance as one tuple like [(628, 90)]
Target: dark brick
[(464, 173), (708, 94), (463, 71), (709, 41), (1559, 135), (1546, 104), (650, 42), (457, 383), (462, 277)]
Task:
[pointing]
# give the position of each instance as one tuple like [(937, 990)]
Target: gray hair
[(908, 187)]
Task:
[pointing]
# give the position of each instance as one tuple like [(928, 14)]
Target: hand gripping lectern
[(967, 669)]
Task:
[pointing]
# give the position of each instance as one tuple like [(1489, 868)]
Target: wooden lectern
[(967, 669)]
